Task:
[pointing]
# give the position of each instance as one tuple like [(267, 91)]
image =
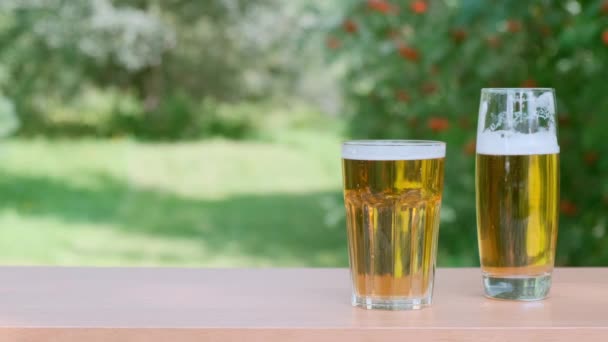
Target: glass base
[(390, 304), (517, 288)]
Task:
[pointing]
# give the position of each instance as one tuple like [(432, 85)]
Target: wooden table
[(161, 304)]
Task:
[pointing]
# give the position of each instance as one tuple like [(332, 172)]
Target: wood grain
[(161, 304)]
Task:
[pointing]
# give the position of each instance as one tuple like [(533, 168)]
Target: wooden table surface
[(163, 304)]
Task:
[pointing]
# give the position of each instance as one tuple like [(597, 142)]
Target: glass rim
[(517, 89), (392, 142)]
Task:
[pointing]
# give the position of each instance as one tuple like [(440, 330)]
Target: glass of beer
[(392, 194), (517, 188)]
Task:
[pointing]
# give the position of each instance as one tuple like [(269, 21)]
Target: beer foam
[(509, 143), (393, 150)]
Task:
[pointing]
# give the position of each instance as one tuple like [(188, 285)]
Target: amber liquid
[(517, 213), (392, 222)]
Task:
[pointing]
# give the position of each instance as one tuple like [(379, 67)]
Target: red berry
[(392, 34), (459, 35), (493, 41), (495, 84), (350, 26), (545, 30), (419, 7), (429, 88), (381, 6), (591, 158), (605, 36), (437, 124), (470, 147), (513, 26), (464, 122), (568, 208), (604, 8), (409, 53), (529, 83), (563, 119), (402, 96), (333, 43)]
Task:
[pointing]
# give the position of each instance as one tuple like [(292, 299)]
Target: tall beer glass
[(517, 186), (392, 193)]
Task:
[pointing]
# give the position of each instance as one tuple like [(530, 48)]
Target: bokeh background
[(207, 133)]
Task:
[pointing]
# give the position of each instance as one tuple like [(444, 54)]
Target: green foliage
[(9, 121), (180, 118), (414, 69), (166, 58)]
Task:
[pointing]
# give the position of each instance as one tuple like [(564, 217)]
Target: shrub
[(414, 69)]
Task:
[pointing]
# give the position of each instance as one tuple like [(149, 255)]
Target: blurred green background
[(207, 133)]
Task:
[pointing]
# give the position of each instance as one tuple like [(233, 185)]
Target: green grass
[(275, 202), (210, 203)]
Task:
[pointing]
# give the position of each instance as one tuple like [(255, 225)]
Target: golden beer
[(392, 211), (517, 201), (517, 190)]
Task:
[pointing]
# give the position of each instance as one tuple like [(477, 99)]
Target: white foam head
[(517, 121), (510, 143), (393, 149)]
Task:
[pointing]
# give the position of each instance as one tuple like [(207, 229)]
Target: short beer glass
[(392, 194), (517, 190)]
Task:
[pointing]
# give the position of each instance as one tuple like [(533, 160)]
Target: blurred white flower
[(132, 37)]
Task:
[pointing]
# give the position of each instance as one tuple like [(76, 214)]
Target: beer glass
[(517, 190), (392, 194)]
